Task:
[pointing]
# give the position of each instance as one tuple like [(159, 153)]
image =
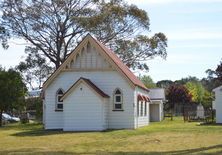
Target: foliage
[(183, 81), (12, 91), (214, 78), (54, 28), (4, 36), (207, 99), (164, 83), (35, 68), (196, 90), (178, 94), (148, 81), (217, 73)]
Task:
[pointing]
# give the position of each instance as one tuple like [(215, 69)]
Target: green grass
[(167, 137)]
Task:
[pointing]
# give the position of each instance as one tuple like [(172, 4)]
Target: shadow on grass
[(210, 124), (196, 151)]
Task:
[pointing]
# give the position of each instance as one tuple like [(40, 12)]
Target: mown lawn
[(167, 137)]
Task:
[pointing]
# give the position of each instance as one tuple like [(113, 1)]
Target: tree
[(197, 91), (164, 84), (207, 99), (183, 81), (12, 91), (35, 69), (4, 36), (178, 94), (54, 28), (148, 81), (214, 78)]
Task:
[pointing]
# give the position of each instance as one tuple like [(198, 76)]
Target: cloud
[(194, 45), (194, 34), (171, 1), (197, 10)]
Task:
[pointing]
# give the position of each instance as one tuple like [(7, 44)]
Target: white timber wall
[(218, 104), (107, 81), (156, 111), (84, 110), (90, 63), (139, 120)]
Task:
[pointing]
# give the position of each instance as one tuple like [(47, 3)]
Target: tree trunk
[(1, 118)]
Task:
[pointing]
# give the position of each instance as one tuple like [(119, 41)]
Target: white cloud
[(204, 45), (194, 34), (171, 1)]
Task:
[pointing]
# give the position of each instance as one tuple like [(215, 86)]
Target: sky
[(193, 29)]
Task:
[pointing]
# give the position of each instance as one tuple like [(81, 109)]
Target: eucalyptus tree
[(55, 27)]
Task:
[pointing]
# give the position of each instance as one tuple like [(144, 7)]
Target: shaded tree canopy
[(34, 68), (4, 36), (12, 91), (147, 81), (214, 78), (178, 94), (187, 79), (164, 83), (54, 27)]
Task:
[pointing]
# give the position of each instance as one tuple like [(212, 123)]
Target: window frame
[(145, 108), (141, 108), (115, 102), (58, 101)]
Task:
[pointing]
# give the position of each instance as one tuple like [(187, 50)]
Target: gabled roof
[(122, 66), (220, 87), (87, 82), (111, 55)]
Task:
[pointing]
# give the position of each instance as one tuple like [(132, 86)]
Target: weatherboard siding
[(84, 110), (107, 81), (140, 121)]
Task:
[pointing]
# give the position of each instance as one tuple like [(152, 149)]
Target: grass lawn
[(167, 137)]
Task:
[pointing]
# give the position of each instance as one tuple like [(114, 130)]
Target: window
[(141, 108), (145, 113), (59, 101), (118, 100), (138, 108)]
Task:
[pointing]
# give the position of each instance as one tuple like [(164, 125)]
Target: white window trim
[(145, 108), (114, 100), (141, 108), (57, 102)]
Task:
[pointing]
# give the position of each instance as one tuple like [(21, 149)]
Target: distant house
[(31, 98), (94, 90), (217, 104), (34, 93)]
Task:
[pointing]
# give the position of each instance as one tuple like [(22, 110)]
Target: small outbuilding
[(157, 97), (217, 104)]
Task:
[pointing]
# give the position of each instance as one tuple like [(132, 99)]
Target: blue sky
[(193, 29), (194, 32)]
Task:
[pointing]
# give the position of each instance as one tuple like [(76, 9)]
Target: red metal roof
[(122, 66), (92, 85), (116, 60), (139, 97), (143, 98)]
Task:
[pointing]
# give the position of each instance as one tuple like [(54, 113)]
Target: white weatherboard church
[(94, 90)]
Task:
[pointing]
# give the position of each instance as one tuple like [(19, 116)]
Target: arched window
[(118, 100), (59, 102)]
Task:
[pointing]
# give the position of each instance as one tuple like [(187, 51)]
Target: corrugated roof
[(122, 66)]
